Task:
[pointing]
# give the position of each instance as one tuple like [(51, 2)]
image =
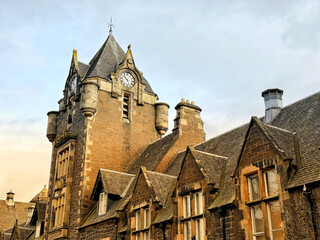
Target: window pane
[(199, 229), (187, 230), (271, 182), (146, 218), (257, 219), (138, 220), (275, 215), (198, 203), (254, 188), (186, 206)]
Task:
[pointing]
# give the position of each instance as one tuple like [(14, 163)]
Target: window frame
[(192, 224), (263, 201), (102, 204)]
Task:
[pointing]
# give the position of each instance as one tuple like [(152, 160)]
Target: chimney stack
[(273, 103), (10, 198)]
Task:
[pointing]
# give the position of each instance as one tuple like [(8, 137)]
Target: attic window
[(102, 203), (126, 106)]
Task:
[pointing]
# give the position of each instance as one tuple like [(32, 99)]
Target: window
[(58, 211), (264, 205), (62, 163), (125, 108), (146, 222), (192, 216), (102, 203), (138, 220), (38, 228), (142, 223), (186, 206), (198, 203)]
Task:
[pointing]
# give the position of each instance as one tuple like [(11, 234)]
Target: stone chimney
[(10, 198), (273, 103), (188, 120)]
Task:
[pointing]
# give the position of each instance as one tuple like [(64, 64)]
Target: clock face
[(127, 79), (73, 84)]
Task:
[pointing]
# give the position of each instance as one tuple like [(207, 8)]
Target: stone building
[(115, 175)]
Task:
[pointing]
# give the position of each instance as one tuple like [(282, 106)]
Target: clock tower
[(107, 116)]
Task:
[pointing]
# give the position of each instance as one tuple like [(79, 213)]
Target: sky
[(220, 54)]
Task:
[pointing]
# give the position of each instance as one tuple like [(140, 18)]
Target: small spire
[(110, 25)]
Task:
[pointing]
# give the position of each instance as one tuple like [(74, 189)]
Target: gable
[(141, 192), (190, 171), (257, 147)]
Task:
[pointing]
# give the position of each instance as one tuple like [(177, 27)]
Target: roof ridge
[(302, 99), (162, 174), (278, 128), (212, 154), (123, 173), (221, 134)]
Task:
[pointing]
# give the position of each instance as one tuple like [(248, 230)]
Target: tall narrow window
[(58, 211), (146, 222), (102, 203), (198, 203), (186, 206), (187, 230), (126, 106), (199, 229), (62, 165), (138, 220), (264, 205)]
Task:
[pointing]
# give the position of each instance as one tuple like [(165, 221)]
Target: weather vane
[(110, 25)]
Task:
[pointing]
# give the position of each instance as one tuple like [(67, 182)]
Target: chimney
[(188, 122), (273, 103), (10, 198)]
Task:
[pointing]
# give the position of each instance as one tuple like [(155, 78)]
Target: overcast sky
[(220, 54)]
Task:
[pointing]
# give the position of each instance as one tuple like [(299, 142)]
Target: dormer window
[(192, 216), (263, 204), (102, 203)]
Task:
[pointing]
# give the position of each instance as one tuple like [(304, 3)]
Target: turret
[(161, 117), (89, 98), (52, 125)]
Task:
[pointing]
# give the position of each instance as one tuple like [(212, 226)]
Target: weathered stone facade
[(113, 175)]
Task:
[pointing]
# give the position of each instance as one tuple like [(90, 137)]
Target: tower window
[(126, 106)]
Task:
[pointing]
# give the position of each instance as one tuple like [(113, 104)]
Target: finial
[(129, 46), (110, 25)]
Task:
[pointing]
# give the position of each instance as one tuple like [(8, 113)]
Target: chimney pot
[(10, 198), (273, 103), (193, 103), (188, 101), (183, 100)]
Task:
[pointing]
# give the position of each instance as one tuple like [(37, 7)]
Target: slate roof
[(39, 213), (21, 231), (106, 61), (83, 68), (165, 214), (41, 196), (112, 182), (153, 154), (212, 166), (8, 215), (94, 218), (161, 184)]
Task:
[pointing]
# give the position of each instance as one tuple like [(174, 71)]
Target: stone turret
[(162, 117), (89, 98), (52, 125)]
